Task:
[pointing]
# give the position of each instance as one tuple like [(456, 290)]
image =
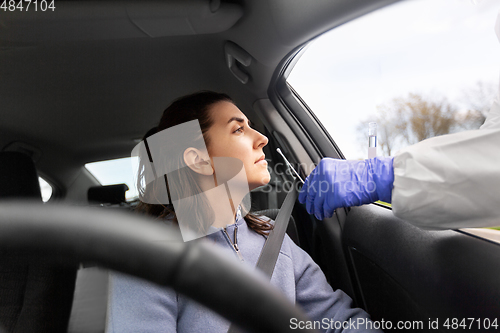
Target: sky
[(432, 47), (437, 47), (121, 170)]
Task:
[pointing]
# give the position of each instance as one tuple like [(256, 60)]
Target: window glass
[(45, 188), (417, 68), (116, 171)]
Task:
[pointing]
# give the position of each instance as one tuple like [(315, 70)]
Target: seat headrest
[(18, 176), (109, 194)]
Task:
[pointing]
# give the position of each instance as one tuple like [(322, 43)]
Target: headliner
[(83, 82)]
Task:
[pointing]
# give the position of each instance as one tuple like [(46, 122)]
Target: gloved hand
[(338, 183)]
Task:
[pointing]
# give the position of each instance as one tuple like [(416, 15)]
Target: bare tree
[(410, 120), (425, 118)]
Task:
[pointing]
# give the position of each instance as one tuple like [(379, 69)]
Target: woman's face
[(231, 136)]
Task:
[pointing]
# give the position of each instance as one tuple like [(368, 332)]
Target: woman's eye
[(240, 130)]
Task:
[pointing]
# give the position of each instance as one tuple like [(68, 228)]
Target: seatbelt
[(272, 246), (271, 249)]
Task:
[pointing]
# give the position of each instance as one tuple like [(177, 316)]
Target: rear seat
[(35, 292), (108, 195)]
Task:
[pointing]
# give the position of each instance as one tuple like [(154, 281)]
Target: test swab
[(296, 174)]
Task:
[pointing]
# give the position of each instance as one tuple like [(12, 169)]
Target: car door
[(404, 276)]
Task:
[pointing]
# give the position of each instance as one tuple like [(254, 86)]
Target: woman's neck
[(223, 207), (225, 197)]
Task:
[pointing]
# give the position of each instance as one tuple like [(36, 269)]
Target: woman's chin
[(261, 182)]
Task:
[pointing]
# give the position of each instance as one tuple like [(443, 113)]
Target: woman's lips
[(261, 160)]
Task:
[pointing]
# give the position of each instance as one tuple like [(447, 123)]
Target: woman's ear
[(198, 162)]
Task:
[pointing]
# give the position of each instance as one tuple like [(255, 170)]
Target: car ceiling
[(81, 83)]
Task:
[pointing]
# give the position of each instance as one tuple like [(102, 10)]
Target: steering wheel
[(136, 245)]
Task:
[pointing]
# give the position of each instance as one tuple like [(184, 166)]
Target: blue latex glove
[(338, 183)]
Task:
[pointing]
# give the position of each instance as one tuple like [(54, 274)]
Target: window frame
[(305, 125)]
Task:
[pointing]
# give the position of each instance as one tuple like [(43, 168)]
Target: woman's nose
[(261, 140)]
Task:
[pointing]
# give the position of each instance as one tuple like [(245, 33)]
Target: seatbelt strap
[(272, 246), (271, 249)]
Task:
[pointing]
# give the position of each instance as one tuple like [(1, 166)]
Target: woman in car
[(190, 162)]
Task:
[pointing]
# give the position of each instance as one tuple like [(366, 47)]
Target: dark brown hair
[(196, 106)]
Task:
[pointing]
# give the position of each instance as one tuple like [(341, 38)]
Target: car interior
[(83, 82)]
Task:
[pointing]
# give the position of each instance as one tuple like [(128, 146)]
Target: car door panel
[(405, 273)]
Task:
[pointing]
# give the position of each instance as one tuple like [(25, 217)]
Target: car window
[(416, 68), (46, 189), (116, 171)]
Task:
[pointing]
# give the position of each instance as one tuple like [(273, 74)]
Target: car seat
[(88, 312), (107, 195), (35, 293)]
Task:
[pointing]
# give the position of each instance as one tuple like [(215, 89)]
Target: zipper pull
[(236, 248), (238, 252), (235, 244)]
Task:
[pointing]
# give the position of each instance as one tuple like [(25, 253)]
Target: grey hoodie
[(136, 305)]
